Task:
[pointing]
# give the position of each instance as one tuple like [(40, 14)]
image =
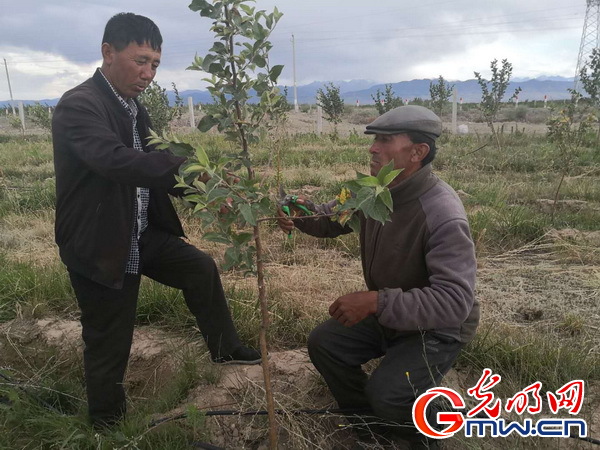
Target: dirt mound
[(156, 356)]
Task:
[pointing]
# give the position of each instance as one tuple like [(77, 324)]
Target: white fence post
[(319, 120), (191, 108), (454, 109), (22, 115)]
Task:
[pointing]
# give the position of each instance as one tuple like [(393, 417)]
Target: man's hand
[(284, 222), (351, 308)]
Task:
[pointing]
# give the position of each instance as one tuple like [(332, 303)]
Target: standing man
[(114, 219), (419, 268)]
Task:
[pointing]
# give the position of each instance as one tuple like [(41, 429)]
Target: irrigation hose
[(231, 412), (42, 402), (261, 412)]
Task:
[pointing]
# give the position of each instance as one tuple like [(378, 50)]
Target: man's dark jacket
[(97, 172)]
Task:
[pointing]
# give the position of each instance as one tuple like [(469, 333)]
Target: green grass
[(33, 291), (523, 356), (49, 413)]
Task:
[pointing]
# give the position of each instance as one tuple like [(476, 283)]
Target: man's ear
[(108, 53), (419, 152)]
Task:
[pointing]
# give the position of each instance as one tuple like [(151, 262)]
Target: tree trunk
[(264, 312)]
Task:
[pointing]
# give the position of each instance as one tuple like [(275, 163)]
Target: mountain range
[(553, 88)]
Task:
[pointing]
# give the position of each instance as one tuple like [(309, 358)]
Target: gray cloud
[(382, 40)]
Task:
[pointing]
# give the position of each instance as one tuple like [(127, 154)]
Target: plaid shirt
[(142, 195)]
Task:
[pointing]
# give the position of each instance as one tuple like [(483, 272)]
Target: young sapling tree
[(332, 104), (492, 93), (590, 79), (569, 135), (387, 100), (230, 202), (440, 92)]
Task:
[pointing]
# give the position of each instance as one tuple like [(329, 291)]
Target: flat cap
[(407, 118)]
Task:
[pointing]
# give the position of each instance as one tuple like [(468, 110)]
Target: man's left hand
[(351, 308)]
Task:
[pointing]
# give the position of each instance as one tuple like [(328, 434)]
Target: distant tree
[(15, 122), (40, 116), (569, 134), (591, 81), (440, 93), (492, 93), (332, 104), (156, 101), (387, 100)]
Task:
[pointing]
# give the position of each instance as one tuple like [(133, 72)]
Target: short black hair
[(124, 28), (420, 138)]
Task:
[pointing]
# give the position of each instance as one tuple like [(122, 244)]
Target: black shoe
[(106, 425), (242, 355)]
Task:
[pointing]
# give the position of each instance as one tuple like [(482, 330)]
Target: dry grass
[(29, 238)]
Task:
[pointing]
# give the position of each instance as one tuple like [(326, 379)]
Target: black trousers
[(108, 316), (410, 365)]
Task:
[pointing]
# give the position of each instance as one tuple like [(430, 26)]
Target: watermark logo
[(484, 419)]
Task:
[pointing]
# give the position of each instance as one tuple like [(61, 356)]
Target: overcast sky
[(52, 45)]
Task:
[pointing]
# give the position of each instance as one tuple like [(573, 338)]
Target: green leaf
[(384, 171), (181, 149), (206, 217), (232, 257), (248, 214), (368, 181), (217, 237), (275, 72), (362, 197), (218, 47), (196, 65), (376, 210), (206, 123), (259, 61), (243, 238), (217, 194), (208, 60), (386, 198), (193, 198), (391, 176), (354, 223), (199, 185), (202, 157), (199, 206), (194, 168), (197, 5), (247, 9)]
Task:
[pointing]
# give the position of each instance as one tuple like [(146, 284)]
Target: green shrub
[(40, 116)]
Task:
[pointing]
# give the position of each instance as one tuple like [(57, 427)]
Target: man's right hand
[(285, 223)]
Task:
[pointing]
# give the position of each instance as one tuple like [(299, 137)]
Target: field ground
[(538, 285)]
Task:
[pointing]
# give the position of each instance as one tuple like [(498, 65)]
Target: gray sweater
[(422, 262)]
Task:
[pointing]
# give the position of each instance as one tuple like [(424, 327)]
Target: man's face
[(401, 149), (130, 70)]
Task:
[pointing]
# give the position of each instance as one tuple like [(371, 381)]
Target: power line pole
[(12, 104), (590, 38), (294, 70)]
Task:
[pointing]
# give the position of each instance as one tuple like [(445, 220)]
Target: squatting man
[(419, 308), (114, 219)]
